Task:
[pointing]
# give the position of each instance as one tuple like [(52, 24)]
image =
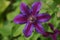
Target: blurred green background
[(10, 8)]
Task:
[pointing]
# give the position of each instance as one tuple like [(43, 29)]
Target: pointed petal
[(46, 34), (43, 17), (28, 29), (19, 19), (51, 26), (58, 31), (36, 8), (53, 36), (39, 28), (24, 8)]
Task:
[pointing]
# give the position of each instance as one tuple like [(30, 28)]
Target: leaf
[(21, 38), (29, 2), (35, 36), (54, 20), (6, 29), (18, 31), (5, 38), (58, 37), (57, 2), (3, 5), (47, 28), (58, 26), (11, 15)]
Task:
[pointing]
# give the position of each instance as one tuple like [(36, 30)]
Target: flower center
[(32, 19)]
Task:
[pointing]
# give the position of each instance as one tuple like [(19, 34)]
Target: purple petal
[(36, 8), (47, 34), (19, 19), (51, 26), (53, 36), (24, 8), (58, 31), (39, 28), (43, 17), (28, 29)]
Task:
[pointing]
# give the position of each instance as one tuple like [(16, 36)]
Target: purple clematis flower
[(31, 18), (53, 34)]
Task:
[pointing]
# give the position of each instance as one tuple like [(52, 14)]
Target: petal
[(28, 29), (24, 8), (43, 17), (39, 28), (51, 26), (46, 34), (53, 36), (36, 8), (58, 31), (19, 19)]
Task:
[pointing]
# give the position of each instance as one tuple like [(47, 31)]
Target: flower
[(32, 19), (53, 34)]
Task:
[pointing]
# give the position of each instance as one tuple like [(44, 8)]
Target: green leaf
[(35, 36), (3, 5), (6, 29), (21, 38), (12, 15), (54, 20), (29, 2), (57, 2), (19, 30), (5, 38)]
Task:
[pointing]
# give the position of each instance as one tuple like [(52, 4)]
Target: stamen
[(32, 19)]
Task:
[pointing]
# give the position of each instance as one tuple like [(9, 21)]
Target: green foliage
[(57, 2)]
